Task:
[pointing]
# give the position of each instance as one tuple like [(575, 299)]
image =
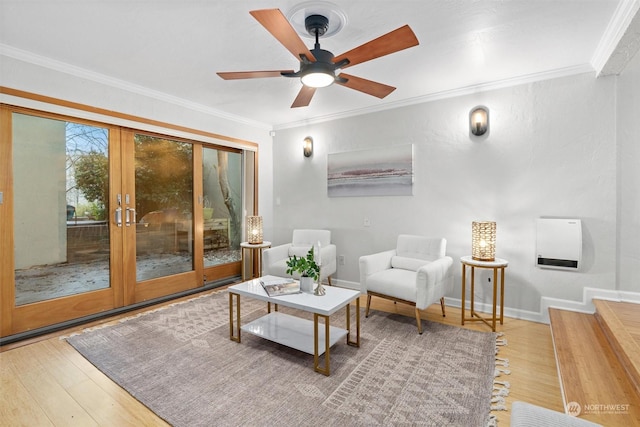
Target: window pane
[(61, 187), (222, 184), (164, 206)]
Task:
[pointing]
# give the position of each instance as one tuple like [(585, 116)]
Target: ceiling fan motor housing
[(316, 25)]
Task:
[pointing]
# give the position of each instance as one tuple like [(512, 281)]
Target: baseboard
[(584, 306), (488, 308), (346, 284)]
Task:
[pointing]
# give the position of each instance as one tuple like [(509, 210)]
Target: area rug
[(180, 363)]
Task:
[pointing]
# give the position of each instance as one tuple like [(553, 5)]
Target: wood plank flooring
[(45, 382)]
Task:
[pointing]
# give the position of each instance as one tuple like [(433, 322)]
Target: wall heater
[(559, 243)]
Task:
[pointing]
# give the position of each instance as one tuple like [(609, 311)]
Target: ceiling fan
[(318, 67)]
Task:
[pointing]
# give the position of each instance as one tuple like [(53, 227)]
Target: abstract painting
[(383, 171)]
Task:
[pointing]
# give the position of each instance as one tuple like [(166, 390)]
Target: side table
[(256, 262), (497, 264)]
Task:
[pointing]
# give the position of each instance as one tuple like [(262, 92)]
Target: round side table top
[(497, 262), (264, 244)]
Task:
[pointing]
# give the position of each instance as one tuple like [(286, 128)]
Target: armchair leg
[(442, 305), (366, 313), (419, 321), (329, 280)]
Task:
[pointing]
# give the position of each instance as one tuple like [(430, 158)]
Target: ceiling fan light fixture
[(318, 79)]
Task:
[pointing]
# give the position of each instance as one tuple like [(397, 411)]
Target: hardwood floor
[(45, 382), (594, 375)]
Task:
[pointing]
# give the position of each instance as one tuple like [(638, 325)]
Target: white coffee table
[(292, 331)]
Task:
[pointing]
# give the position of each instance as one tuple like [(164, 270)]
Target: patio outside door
[(158, 216), (61, 253), (95, 217)]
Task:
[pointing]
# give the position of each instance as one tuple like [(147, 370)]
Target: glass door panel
[(163, 215), (61, 205), (222, 206)]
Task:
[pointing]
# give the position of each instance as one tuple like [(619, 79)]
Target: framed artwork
[(381, 171)]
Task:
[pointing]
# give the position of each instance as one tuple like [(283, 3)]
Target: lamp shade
[(483, 240), (254, 229)]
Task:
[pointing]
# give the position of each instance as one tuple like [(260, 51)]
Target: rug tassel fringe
[(500, 388), (502, 362), (500, 391), (500, 371)]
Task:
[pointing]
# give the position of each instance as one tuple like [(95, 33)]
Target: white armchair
[(417, 272), (275, 259)]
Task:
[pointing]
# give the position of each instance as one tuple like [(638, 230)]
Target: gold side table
[(256, 262), (497, 264)]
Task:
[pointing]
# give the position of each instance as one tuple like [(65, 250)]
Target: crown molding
[(453, 93), (52, 64), (613, 36)]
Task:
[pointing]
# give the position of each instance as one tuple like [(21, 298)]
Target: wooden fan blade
[(276, 23), (304, 97), (396, 40), (369, 87), (234, 75)]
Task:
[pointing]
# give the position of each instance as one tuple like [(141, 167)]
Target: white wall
[(551, 151), (628, 112)]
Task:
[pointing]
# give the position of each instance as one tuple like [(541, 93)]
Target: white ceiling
[(173, 48)]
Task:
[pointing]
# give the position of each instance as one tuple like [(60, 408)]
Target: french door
[(96, 217)]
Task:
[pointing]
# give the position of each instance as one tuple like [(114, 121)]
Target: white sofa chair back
[(274, 259)]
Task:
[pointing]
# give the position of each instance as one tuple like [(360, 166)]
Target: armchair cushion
[(407, 263), (404, 283)]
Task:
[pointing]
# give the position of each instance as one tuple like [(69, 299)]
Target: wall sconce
[(479, 120), (254, 230), (483, 240), (307, 147)]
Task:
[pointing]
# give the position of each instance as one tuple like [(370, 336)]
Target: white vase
[(306, 284)]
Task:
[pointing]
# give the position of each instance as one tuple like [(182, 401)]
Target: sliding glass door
[(60, 256), (222, 183), (99, 217), (61, 232)]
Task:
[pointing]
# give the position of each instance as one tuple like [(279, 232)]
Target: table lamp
[(483, 240), (254, 230)]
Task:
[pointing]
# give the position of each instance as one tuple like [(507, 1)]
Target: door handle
[(119, 217), (131, 212)]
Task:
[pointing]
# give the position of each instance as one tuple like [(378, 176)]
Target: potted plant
[(307, 267)]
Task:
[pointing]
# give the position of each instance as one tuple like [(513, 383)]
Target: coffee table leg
[(234, 332), (355, 343), (316, 358)]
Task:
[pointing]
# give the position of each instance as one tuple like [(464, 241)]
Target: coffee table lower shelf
[(293, 332)]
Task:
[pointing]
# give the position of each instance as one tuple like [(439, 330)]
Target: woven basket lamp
[(483, 240), (254, 230)]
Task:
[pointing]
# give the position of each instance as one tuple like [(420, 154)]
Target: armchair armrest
[(434, 281), (374, 263), (328, 254), (272, 255)]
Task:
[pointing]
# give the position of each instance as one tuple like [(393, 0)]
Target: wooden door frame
[(14, 320)]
